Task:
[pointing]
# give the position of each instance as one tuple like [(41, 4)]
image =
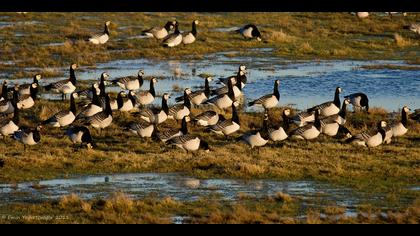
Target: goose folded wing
[(181, 139)]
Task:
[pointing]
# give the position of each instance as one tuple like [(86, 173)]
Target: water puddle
[(182, 188), (225, 29)]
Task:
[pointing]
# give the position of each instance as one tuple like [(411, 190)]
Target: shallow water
[(303, 83), (179, 187)]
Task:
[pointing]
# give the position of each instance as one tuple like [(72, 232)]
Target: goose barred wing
[(320, 107), (262, 99), (138, 125), (181, 139), (301, 130), (220, 91), (207, 115), (221, 125), (57, 85), (173, 110), (98, 117)]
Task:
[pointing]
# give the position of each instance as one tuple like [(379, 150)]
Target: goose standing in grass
[(224, 101), (155, 115), (101, 38), (254, 138), (174, 39), (400, 128), (200, 96), (277, 133), (237, 85), (25, 89), (28, 137), (92, 108), (309, 131), (270, 100), (370, 138), (130, 82), (359, 101), (102, 119), (207, 118), (64, 87), (166, 135), (227, 127), (250, 31), (179, 111), (10, 126), (80, 135), (189, 143), (147, 97), (6, 105), (159, 32), (65, 117), (141, 128), (331, 125), (128, 104), (27, 101), (190, 37), (329, 108)]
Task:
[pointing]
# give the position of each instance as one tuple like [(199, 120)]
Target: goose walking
[(159, 32), (277, 133), (65, 117), (329, 108), (174, 39), (207, 118), (28, 137), (270, 100), (370, 138), (359, 101), (80, 135), (130, 82), (250, 31), (309, 131), (179, 111), (101, 38), (147, 97), (400, 128), (166, 135), (156, 115), (189, 143), (200, 96), (64, 87), (227, 127), (190, 37)]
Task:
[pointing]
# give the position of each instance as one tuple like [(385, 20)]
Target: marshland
[(129, 179)]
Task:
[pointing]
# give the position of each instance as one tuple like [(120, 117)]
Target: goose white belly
[(212, 121), (114, 105), (26, 104), (161, 117), (25, 91), (355, 101), (127, 106), (146, 99), (224, 102), (92, 110), (188, 39), (176, 41), (76, 137), (171, 137), (247, 32), (255, 140), (236, 92), (9, 129), (28, 139), (309, 134), (67, 88), (399, 130), (303, 121), (330, 110), (146, 132), (160, 34), (179, 115), (375, 140), (330, 129), (231, 129), (271, 102), (99, 39), (130, 85), (66, 120), (278, 135), (102, 124), (199, 99), (191, 145)]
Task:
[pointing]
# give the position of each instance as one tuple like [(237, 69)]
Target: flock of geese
[(328, 118)]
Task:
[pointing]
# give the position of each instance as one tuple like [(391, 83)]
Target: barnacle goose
[(236, 87), (128, 104), (28, 136), (190, 37), (401, 128), (309, 131), (370, 138), (65, 117), (235, 77), (80, 135), (147, 97), (227, 127), (159, 32), (102, 119), (166, 135), (179, 111), (270, 100), (27, 101), (277, 133), (6, 105), (141, 128), (174, 39), (250, 31), (330, 125), (101, 38), (92, 108), (189, 143), (329, 108), (156, 115), (130, 82), (200, 96), (25, 89), (224, 101), (207, 118), (359, 101), (64, 87), (10, 126), (254, 138)]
